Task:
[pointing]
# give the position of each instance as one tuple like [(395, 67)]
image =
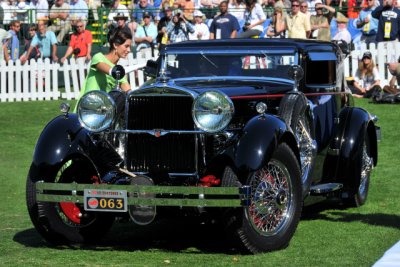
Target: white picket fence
[(384, 52), (38, 80)]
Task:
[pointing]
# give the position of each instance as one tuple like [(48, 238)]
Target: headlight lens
[(96, 111), (212, 111)]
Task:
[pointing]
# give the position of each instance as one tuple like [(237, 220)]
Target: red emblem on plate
[(157, 133), (93, 203)]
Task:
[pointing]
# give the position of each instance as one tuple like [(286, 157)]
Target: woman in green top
[(99, 76)]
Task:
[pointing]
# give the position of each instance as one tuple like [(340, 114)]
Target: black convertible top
[(226, 44)]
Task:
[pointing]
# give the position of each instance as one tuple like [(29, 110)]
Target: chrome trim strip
[(159, 132)]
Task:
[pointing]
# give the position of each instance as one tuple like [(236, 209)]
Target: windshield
[(216, 63)]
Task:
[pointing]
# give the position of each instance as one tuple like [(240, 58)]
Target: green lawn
[(325, 237)]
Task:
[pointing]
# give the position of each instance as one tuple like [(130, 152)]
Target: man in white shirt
[(342, 34), (201, 31)]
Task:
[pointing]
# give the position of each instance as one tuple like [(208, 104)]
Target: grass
[(325, 236)]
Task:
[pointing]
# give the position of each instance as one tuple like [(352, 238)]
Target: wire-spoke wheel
[(361, 175), (272, 199), (276, 201), (293, 110), (66, 222)]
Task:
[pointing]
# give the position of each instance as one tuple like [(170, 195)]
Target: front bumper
[(180, 196)]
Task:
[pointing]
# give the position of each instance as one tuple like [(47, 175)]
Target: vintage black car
[(247, 131)]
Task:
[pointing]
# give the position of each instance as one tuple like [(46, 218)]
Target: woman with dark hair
[(254, 18), (99, 76)]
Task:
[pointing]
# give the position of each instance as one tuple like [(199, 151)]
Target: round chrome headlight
[(96, 111), (212, 111)]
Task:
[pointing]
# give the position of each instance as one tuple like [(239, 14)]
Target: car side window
[(317, 61)]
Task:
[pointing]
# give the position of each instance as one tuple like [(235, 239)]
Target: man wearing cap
[(201, 31), (4, 37), (225, 25), (146, 35), (320, 23), (342, 33), (389, 20), (367, 23), (162, 37), (140, 8), (59, 14), (117, 9), (120, 23)]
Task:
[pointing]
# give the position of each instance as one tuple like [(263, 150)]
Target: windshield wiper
[(212, 63)]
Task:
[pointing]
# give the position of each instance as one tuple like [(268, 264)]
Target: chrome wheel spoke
[(271, 198)]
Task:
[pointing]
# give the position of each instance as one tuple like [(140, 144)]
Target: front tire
[(65, 223), (276, 201)]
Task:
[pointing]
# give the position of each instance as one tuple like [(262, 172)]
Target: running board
[(322, 189)]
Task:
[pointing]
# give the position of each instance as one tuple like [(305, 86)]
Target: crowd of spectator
[(35, 28)]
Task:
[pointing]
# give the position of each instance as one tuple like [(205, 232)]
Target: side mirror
[(118, 72), (151, 68)]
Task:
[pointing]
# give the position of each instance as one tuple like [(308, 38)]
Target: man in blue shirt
[(13, 44), (368, 24), (146, 35), (78, 11), (225, 25), (46, 41), (389, 20), (141, 8)]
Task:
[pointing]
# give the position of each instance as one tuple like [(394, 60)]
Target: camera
[(247, 24), (76, 51)]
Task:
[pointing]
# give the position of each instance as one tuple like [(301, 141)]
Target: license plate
[(105, 200)]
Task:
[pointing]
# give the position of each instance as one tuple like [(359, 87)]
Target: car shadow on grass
[(338, 213), (180, 235)]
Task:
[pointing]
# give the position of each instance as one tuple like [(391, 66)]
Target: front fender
[(255, 146), (58, 140)]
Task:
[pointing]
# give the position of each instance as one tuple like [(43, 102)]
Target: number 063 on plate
[(105, 200)]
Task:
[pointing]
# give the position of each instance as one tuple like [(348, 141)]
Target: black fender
[(354, 122), (258, 141), (60, 138)]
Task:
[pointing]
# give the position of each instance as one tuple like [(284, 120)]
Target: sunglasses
[(295, 5)]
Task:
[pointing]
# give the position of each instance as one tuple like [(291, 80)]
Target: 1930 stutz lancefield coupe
[(254, 127)]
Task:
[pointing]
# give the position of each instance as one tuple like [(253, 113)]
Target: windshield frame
[(251, 51)]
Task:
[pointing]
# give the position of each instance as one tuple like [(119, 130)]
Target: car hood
[(243, 86)]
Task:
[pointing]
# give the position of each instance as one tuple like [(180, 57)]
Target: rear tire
[(360, 175), (64, 223), (293, 110)]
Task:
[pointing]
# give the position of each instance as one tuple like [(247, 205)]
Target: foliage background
[(326, 236)]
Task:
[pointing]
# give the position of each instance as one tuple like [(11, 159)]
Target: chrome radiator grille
[(170, 153)]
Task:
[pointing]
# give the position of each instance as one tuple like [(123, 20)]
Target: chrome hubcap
[(271, 205)]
